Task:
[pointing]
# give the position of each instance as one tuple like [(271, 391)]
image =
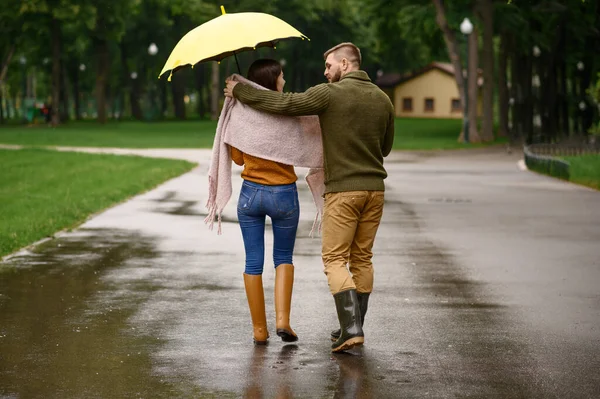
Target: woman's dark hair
[(265, 72)]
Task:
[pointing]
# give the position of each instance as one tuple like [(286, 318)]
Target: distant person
[(357, 122), (47, 112)]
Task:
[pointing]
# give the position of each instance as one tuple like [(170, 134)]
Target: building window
[(407, 104), (429, 105), (455, 105)]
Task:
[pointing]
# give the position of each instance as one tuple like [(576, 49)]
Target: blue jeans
[(280, 203)]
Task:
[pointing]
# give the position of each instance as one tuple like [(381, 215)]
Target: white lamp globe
[(466, 27), (152, 49)]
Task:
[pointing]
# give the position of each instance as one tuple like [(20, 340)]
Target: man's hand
[(229, 85)]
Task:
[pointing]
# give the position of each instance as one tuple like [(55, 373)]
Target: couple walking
[(353, 126)]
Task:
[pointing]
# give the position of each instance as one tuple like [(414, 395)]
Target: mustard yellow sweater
[(263, 171)]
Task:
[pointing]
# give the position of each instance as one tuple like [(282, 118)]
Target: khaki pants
[(350, 223)]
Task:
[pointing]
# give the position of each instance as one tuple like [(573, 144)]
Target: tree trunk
[(163, 99), (124, 78), (1, 104), (587, 115), (503, 96), (4, 67), (56, 69), (215, 92), (452, 46), (563, 98), (102, 71), (486, 9), (547, 101), (199, 74), (76, 94), (522, 72), (292, 81), (178, 92), (64, 95), (134, 99), (473, 89), (131, 85)]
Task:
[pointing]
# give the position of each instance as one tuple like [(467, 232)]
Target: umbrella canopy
[(228, 35)]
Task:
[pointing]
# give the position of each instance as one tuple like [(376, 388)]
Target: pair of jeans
[(280, 203)]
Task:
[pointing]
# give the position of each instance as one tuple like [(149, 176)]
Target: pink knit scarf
[(285, 139)]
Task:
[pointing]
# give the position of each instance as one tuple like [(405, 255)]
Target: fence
[(543, 158)]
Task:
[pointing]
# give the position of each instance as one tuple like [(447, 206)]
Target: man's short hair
[(346, 50)]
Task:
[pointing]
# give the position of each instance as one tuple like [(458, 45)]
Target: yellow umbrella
[(226, 35)]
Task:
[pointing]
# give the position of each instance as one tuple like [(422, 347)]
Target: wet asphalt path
[(486, 286)]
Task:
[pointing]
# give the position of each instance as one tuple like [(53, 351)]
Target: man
[(357, 124)]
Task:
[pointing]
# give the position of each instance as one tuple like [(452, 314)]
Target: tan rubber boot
[(284, 283), (256, 303)]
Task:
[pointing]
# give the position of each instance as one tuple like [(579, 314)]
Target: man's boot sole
[(349, 344)]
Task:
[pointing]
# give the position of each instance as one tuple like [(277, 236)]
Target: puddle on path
[(57, 337)]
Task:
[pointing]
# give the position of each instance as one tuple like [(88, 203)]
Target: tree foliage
[(92, 57)]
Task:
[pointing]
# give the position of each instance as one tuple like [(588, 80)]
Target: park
[(486, 260)]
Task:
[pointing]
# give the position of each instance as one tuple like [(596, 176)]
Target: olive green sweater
[(357, 124)]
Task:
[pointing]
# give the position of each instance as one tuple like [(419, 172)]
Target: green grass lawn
[(411, 134), (42, 192), (173, 134), (585, 169), (430, 134)]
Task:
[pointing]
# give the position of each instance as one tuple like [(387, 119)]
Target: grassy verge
[(186, 134), (411, 134), (430, 134), (585, 170), (43, 192)]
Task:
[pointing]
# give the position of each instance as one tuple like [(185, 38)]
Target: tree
[(452, 47), (485, 10), (454, 54), (107, 26)]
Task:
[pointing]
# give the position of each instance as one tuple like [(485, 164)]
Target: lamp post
[(466, 28), (152, 51), (581, 105), (23, 62), (81, 93), (537, 106)]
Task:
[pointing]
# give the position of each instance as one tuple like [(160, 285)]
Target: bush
[(594, 92)]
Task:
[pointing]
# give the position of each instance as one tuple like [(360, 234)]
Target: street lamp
[(466, 28), (536, 84), (580, 67), (152, 51), (23, 62)]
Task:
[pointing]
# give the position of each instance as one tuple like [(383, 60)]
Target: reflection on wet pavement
[(61, 334)]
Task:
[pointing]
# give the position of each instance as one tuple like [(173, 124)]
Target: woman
[(269, 189)]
